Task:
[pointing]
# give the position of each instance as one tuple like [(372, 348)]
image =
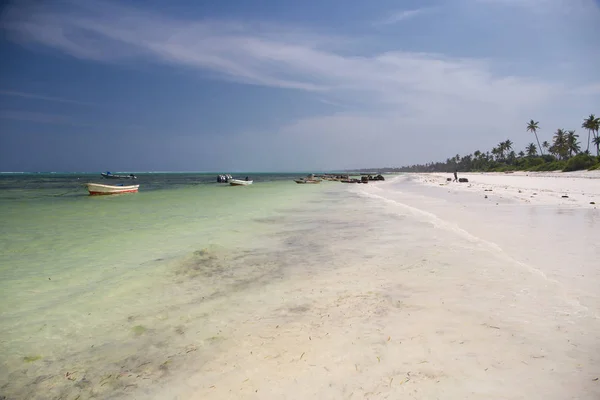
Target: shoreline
[(399, 288), (419, 310)]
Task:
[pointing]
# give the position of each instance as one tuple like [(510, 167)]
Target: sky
[(277, 85)]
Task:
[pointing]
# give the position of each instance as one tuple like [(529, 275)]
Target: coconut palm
[(496, 153), (595, 125), (596, 141), (533, 126), (545, 145), (531, 150), (589, 124), (559, 144), (572, 144), (522, 153)]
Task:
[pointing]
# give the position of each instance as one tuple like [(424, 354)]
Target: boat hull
[(112, 176), (96, 189), (307, 181), (237, 182)]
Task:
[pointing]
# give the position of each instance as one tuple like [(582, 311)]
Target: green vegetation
[(30, 359), (564, 153)]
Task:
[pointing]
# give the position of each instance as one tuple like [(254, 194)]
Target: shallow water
[(84, 280), (287, 291)]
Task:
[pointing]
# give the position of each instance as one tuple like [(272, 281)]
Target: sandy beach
[(572, 189), (414, 288), (431, 292)]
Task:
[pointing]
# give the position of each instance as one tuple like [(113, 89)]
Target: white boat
[(98, 189), (239, 182)]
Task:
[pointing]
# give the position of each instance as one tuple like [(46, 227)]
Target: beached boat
[(303, 180), (99, 189), (239, 182), (110, 175)]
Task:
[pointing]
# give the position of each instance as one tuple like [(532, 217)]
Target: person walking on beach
[(455, 175)]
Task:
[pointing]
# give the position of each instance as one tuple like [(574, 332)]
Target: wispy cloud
[(332, 103), (37, 117), (34, 96), (402, 15), (435, 99), (263, 54)]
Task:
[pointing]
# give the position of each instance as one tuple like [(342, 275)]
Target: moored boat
[(239, 182), (303, 180), (110, 175), (224, 178), (99, 189)]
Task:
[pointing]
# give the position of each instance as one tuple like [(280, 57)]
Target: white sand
[(544, 188), (428, 295)]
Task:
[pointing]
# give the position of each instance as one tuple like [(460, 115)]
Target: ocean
[(193, 290), (90, 282)]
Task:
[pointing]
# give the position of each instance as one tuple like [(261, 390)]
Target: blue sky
[(287, 85)]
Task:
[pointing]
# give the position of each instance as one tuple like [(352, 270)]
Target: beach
[(414, 287)]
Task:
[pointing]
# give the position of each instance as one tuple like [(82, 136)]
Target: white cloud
[(268, 57), (439, 102)]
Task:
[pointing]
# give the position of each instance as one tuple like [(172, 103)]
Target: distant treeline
[(564, 153)]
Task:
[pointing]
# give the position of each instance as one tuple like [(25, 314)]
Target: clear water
[(84, 279), (190, 289)]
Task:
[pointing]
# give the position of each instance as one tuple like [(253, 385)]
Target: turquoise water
[(80, 272), (190, 289)]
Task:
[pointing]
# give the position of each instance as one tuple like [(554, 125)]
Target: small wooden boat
[(307, 180), (99, 189), (239, 182), (110, 175)]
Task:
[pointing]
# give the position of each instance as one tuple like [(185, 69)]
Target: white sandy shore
[(411, 304), (541, 188)]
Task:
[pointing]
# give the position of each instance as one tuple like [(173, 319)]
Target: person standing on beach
[(455, 175)]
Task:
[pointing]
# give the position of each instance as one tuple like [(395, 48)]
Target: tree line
[(564, 152)]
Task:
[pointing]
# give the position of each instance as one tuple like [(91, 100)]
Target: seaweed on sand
[(206, 262)]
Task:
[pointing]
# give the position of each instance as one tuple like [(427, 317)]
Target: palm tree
[(595, 125), (531, 150), (508, 145), (589, 125), (522, 153), (545, 145), (496, 153), (533, 126), (559, 144), (596, 141), (572, 144)]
